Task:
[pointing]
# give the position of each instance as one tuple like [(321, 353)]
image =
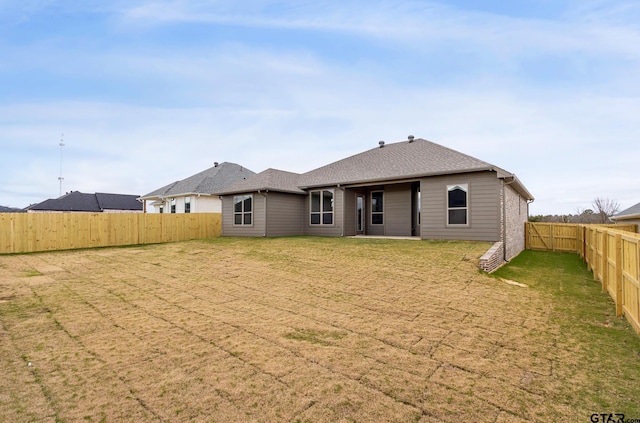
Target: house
[(76, 201), (4, 209), (195, 194), (414, 188), (628, 216)]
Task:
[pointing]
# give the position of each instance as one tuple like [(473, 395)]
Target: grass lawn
[(309, 329), (606, 377)]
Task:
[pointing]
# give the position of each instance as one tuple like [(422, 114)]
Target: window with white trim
[(243, 210), (377, 208), (173, 205), (187, 204), (457, 204), (321, 207)]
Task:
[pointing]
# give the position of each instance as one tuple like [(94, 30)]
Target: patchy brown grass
[(291, 329)]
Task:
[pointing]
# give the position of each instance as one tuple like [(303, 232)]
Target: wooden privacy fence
[(612, 253), (568, 237), (30, 232)]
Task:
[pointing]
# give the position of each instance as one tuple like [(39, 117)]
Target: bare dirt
[(292, 329)]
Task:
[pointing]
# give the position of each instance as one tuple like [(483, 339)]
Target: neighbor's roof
[(208, 181), (81, 202), (632, 212), (268, 180), (118, 201), (401, 160)]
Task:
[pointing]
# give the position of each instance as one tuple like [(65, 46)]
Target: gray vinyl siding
[(397, 210), (349, 213), (483, 215), (337, 229), (258, 227), (285, 214)]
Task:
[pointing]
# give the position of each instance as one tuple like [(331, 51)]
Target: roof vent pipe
[(215, 164), (381, 144), (411, 137)]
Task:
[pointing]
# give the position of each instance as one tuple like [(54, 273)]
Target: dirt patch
[(292, 329)]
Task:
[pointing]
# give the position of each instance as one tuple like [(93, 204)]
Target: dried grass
[(291, 329)]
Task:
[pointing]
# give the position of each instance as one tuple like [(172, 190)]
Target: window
[(173, 205), (160, 209), (377, 216), (322, 207), (243, 209), (457, 204), (187, 204)]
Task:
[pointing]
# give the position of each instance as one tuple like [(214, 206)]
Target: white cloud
[(554, 144), (168, 111), (419, 25)]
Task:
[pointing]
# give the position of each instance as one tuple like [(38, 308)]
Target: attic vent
[(381, 144), (411, 137), (215, 164)]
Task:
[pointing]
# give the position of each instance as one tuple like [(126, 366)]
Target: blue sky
[(148, 92)]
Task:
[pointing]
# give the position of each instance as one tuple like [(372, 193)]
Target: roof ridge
[(403, 159)]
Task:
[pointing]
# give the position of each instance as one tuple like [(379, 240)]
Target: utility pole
[(60, 178)]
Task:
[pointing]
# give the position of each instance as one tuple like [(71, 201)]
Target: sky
[(144, 92)]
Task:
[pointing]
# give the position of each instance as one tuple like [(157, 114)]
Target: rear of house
[(412, 188)]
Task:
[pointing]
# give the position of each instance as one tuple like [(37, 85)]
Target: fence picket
[(31, 232)]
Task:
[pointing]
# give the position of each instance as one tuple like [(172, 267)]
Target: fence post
[(619, 281), (594, 254), (605, 260), (637, 245), (587, 254)]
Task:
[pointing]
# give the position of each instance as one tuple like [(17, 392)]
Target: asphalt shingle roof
[(399, 160), (206, 182), (392, 162), (118, 202), (632, 211), (96, 203), (268, 180)]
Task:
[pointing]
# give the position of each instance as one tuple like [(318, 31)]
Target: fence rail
[(612, 253), (31, 232)]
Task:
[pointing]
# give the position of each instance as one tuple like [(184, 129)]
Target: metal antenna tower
[(60, 178)]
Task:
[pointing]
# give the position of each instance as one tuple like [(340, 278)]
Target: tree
[(605, 208)]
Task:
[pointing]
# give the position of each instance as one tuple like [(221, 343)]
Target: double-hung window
[(173, 205), (243, 209), (187, 204), (457, 204), (322, 207), (377, 208)]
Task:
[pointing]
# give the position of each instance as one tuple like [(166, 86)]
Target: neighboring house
[(4, 209), (195, 194), (628, 216), (94, 203), (413, 188)]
